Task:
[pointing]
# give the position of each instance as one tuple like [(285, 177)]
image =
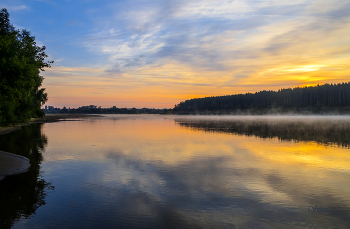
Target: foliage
[(327, 97), (21, 61)]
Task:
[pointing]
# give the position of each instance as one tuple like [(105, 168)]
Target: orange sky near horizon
[(149, 88)]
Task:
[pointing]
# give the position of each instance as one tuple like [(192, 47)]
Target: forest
[(92, 109), (21, 61), (327, 98)]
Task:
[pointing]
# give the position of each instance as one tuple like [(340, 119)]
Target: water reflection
[(223, 191), (322, 130), (153, 172), (22, 195)]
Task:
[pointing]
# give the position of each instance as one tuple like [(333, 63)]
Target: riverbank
[(47, 119), (12, 164)]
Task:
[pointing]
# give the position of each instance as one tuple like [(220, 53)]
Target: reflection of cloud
[(223, 182), (145, 165)]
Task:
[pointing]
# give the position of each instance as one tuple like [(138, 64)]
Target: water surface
[(151, 171)]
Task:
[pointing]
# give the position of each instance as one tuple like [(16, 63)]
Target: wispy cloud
[(209, 35), (183, 49), (14, 8)]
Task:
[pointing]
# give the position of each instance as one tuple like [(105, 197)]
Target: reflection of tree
[(22, 194), (335, 132)]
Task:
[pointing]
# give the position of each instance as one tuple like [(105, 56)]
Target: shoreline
[(13, 164), (49, 118)]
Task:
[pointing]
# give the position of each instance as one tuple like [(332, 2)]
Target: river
[(162, 171)]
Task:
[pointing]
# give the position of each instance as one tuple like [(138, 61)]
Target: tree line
[(92, 109), (21, 61), (327, 97)]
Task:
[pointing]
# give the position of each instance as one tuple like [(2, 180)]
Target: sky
[(157, 53)]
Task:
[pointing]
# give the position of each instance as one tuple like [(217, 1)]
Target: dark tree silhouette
[(327, 97), (21, 61)]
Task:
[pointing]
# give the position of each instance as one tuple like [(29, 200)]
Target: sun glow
[(307, 68)]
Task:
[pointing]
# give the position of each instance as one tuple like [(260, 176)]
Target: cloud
[(183, 49), (203, 34), (125, 64), (73, 22), (219, 9), (14, 8)]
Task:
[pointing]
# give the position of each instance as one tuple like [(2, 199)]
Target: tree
[(21, 61), (330, 97)]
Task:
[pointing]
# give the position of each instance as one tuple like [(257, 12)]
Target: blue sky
[(157, 53)]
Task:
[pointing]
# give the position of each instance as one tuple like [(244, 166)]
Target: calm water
[(147, 171)]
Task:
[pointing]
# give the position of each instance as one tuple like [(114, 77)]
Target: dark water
[(147, 171)]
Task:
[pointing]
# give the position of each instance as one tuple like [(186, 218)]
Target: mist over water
[(149, 171), (329, 130)]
